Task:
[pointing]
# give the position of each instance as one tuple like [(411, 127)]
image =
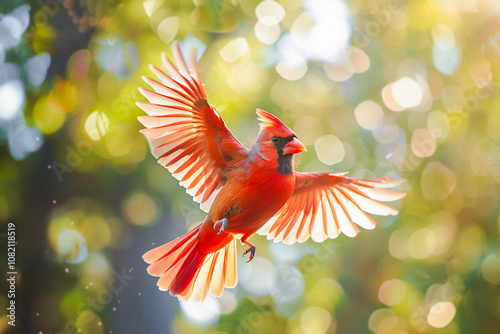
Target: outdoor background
[(406, 89)]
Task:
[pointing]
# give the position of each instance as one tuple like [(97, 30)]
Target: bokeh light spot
[(329, 149), (389, 99), (315, 320), (97, 266), (291, 71), (36, 67), (270, 12), (359, 59), (96, 125), (71, 246), (443, 36), (441, 314), (445, 60), (167, 29), (302, 24), (12, 97), (423, 144), (407, 92), (202, 313), (228, 302), (258, 277), (398, 243), (339, 73), (48, 115), (23, 139), (267, 34), (491, 269), (140, 208), (382, 321), (421, 244), (392, 292), (369, 115), (234, 50), (328, 37)]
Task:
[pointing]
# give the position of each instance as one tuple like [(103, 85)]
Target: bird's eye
[(275, 139)]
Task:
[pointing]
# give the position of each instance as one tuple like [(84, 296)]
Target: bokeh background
[(408, 89)]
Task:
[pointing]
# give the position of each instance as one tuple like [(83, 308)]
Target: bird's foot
[(223, 224), (252, 251)]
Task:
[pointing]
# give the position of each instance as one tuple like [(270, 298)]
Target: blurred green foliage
[(402, 88)]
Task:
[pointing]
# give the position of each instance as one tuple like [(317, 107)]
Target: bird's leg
[(251, 250), (223, 222)]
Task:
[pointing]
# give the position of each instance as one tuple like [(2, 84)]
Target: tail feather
[(217, 275), (230, 277), (164, 250), (167, 278), (162, 265), (203, 279), (187, 272)]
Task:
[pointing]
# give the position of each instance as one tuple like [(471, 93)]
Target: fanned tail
[(187, 272)]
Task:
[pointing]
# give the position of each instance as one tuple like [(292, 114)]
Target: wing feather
[(186, 134), (325, 204)]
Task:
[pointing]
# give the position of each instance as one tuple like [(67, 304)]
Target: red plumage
[(244, 191)]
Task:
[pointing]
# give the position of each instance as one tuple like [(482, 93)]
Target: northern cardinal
[(244, 191)]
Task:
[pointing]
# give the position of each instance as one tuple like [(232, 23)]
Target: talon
[(223, 222), (252, 251)]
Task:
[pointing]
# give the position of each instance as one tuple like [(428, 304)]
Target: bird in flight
[(243, 191)]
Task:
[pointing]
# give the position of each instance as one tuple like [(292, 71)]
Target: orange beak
[(294, 147)]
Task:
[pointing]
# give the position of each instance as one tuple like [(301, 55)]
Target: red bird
[(244, 191)]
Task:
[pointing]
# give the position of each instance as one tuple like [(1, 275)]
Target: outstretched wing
[(325, 204), (186, 134)]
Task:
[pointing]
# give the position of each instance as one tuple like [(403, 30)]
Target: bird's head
[(277, 143)]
